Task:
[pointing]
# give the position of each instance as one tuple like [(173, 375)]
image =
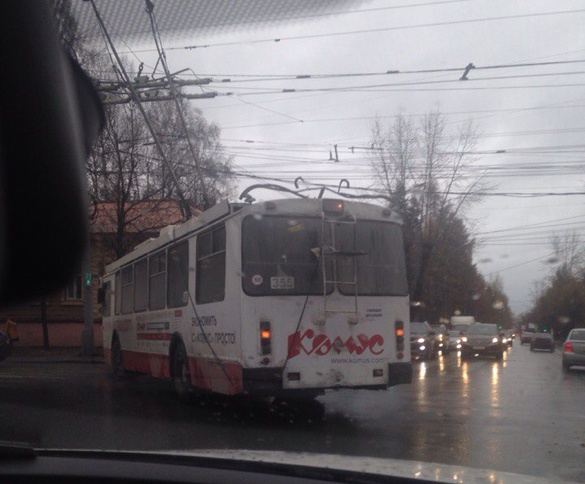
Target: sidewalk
[(53, 355)]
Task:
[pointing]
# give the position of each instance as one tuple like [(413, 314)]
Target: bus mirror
[(101, 295)]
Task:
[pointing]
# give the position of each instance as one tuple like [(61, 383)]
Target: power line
[(539, 224), (358, 89), (227, 78), (377, 30)]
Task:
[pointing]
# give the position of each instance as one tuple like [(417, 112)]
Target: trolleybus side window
[(107, 304), (118, 294), (210, 284), (127, 290), (157, 280), (140, 285), (178, 275)]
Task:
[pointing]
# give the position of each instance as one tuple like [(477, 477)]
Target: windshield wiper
[(10, 450), (328, 250)]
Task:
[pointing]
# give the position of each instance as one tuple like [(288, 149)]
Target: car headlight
[(504, 340), (420, 340), (495, 340), (464, 339)]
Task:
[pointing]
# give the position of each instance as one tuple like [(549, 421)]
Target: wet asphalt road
[(522, 414)]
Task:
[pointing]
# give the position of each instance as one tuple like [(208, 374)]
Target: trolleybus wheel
[(181, 373)]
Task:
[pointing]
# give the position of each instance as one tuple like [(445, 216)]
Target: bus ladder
[(329, 254)]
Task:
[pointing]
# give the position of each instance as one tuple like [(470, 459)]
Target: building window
[(73, 291)]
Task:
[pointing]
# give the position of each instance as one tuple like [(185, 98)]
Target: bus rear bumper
[(268, 381), (399, 373)]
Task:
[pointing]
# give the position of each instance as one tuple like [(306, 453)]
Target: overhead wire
[(226, 78), (377, 30)]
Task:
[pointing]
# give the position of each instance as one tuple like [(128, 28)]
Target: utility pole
[(87, 340), (186, 209)]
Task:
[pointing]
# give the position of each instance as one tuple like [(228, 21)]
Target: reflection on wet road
[(521, 414)]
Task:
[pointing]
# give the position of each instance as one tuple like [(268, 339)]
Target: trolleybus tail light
[(294, 376), (333, 206), (265, 338), (399, 332)]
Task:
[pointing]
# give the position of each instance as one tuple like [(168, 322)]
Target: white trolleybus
[(285, 298)]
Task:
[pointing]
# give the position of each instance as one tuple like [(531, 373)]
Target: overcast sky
[(534, 114)]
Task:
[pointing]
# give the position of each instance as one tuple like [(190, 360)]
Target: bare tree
[(569, 252), (428, 176), (118, 170), (204, 173)]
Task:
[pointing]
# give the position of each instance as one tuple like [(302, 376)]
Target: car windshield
[(482, 329), (245, 228)]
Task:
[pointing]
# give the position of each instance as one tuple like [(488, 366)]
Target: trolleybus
[(284, 298)]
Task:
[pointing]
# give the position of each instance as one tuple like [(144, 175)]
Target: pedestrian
[(10, 328), (8, 335)]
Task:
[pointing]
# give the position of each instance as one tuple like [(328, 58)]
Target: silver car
[(574, 349), (454, 340)]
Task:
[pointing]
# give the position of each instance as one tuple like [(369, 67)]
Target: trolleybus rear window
[(381, 269), (281, 256)]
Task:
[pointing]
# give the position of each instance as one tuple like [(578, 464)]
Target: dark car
[(441, 338), (574, 349), (542, 341), (422, 341), (527, 335), (482, 340), (509, 337)]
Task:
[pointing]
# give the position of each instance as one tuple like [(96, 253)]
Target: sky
[(526, 97)]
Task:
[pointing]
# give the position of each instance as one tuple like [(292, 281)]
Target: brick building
[(64, 309)]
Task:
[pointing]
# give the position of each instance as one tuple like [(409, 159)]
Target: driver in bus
[(301, 256)]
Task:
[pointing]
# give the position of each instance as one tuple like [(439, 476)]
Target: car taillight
[(568, 347), (399, 331), (265, 338)]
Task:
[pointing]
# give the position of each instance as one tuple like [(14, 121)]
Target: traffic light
[(87, 278)]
